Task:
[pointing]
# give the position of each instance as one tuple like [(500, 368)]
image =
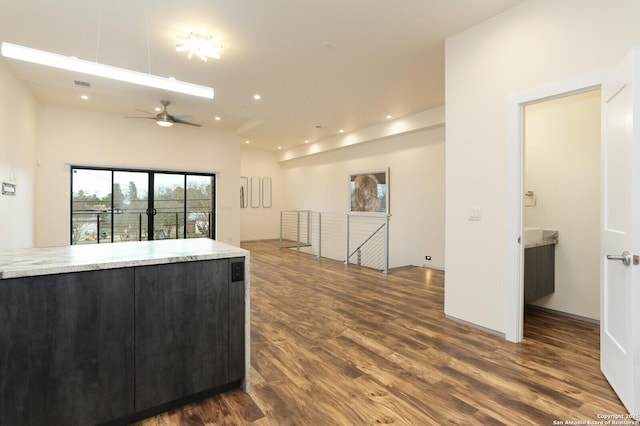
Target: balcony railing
[(96, 227)]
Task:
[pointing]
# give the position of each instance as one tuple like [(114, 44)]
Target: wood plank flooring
[(336, 346)]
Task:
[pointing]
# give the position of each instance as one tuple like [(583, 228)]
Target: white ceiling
[(336, 64)]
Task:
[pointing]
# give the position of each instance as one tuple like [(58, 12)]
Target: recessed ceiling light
[(84, 97), (157, 109), (247, 142), (257, 97), (306, 141), (279, 147), (341, 130), (388, 117), (218, 118)]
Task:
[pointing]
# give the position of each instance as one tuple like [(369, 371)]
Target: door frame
[(514, 297)]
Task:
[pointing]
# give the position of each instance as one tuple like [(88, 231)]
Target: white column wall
[(18, 115), (261, 223)]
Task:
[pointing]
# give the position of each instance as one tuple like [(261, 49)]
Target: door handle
[(625, 258)]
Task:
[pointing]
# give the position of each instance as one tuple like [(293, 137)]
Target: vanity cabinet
[(539, 272), (92, 347)]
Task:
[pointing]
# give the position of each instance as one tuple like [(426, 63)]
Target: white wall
[(262, 223), (416, 162), (69, 136), (18, 115), (536, 44), (562, 167)]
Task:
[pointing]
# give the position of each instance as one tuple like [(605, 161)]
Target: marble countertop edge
[(30, 262)]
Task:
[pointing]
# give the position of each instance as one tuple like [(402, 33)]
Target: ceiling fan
[(165, 119)]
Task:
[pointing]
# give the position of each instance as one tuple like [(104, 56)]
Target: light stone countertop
[(549, 237), (16, 263)]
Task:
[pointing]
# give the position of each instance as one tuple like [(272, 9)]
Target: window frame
[(150, 200)]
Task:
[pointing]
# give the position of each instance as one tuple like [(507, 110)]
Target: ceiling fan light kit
[(164, 123), (68, 63)]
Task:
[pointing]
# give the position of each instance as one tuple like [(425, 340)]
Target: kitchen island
[(110, 333)]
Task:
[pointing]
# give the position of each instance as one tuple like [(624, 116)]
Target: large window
[(113, 205)]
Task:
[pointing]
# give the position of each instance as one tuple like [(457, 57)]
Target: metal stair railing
[(331, 234)]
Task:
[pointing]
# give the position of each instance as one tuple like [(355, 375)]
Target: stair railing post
[(346, 256), (298, 232), (385, 250), (281, 225), (319, 234), (309, 217)]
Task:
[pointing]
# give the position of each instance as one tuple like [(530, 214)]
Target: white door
[(620, 238)]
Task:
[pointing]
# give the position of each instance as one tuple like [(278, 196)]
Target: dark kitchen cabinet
[(87, 348), (182, 330), (66, 348)]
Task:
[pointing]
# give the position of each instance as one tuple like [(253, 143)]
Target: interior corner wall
[(416, 164), (262, 223), (535, 44), (18, 116), (68, 136), (562, 167)]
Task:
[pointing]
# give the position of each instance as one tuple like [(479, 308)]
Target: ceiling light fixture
[(68, 63), (164, 122), (202, 47)]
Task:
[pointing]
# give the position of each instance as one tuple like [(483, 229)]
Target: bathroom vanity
[(110, 333), (539, 263)]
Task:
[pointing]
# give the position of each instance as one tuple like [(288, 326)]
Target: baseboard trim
[(563, 314)]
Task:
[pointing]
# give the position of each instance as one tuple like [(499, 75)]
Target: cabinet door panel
[(66, 348), (181, 329), (546, 260)]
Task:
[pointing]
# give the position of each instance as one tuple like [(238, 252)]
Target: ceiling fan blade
[(180, 121), (150, 118), (180, 117), (146, 112)]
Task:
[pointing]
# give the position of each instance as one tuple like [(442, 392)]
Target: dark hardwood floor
[(336, 346)]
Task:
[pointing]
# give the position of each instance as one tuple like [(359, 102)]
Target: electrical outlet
[(427, 258)]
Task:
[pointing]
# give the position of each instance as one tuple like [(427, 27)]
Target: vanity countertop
[(548, 237), (16, 263)]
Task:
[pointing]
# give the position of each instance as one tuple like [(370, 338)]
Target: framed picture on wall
[(244, 192), (369, 191), (255, 192), (266, 192)]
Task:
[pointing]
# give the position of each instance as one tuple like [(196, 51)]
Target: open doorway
[(561, 216)]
